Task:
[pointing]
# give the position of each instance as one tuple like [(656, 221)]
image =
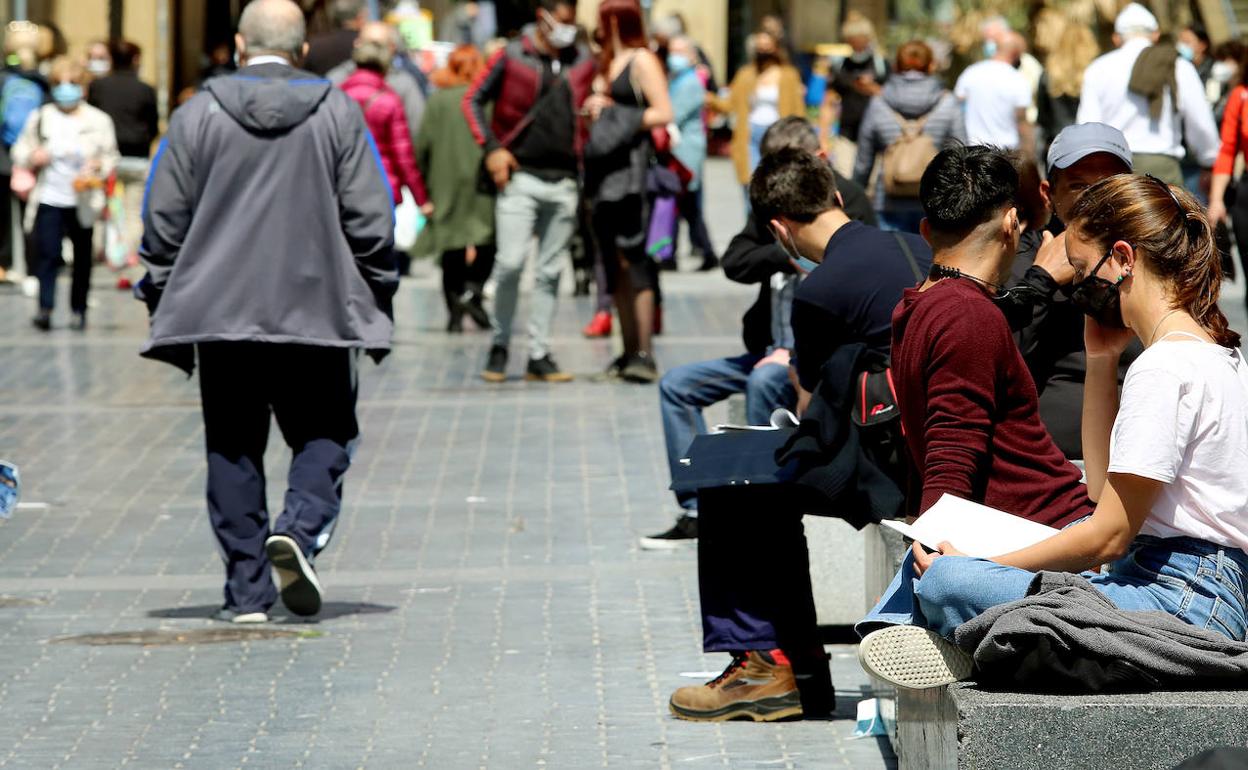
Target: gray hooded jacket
[(911, 95), (268, 218)]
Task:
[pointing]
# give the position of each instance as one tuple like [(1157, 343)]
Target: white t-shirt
[(992, 92), (765, 108), (62, 137), (1183, 421)]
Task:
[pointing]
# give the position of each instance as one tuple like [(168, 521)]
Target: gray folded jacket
[(1067, 637)]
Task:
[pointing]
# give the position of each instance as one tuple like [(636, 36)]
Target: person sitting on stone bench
[(762, 372), (1164, 459), (753, 568), (968, 404)]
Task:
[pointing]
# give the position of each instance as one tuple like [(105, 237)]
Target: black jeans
[(1239, 223), (459, 277), (52, 225), (689, 204), (312, 393)]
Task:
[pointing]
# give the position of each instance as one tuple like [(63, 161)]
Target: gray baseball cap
[(1074, 143)]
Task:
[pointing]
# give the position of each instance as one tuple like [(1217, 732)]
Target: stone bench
[(964, 726)]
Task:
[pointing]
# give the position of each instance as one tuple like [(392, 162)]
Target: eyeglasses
[(1192, 224)]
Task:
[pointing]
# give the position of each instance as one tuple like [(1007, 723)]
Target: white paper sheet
[(974, 529)]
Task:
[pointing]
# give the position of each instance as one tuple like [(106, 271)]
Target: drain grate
[(165, 637), (7, 601)]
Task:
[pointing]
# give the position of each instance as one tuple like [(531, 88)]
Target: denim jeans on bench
[(1196, 581)]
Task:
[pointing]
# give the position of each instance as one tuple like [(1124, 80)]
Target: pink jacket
[(383, 111)]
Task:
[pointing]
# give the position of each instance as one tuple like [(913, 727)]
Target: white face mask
[(101, 66), (1222, 71), (560, 35)]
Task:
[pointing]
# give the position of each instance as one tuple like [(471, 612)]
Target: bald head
[(272, 27)]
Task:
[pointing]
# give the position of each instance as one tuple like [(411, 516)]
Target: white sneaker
[(297, 582), (913, 657), (240, 618)]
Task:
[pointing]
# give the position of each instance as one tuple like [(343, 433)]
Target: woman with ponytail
[(1165, 458)]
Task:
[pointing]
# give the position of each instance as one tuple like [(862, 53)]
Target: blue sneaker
[(10, 488)]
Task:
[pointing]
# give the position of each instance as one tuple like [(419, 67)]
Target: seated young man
[(1171, 518), (968, 404), (762, 372), (1052, 338), (753, 570)]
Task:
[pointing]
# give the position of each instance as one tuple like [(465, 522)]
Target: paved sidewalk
[(488, 606)]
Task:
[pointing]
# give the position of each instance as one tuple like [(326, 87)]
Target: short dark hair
[(793, 184), (963, 187), (123, 53), (551, 5), (793, 131), (343, 12)]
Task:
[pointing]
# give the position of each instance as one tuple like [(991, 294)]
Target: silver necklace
[(1153, 337)]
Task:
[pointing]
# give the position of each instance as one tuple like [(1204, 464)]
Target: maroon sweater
[(970, 408)]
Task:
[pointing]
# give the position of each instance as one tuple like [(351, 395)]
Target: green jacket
[(449, 157)]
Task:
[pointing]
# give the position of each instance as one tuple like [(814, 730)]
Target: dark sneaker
[(78, 322), (42, 321), (227, 615), (709, 262), (545, 369), (640, 369), (472, 304), (613, 372), (756, 685), (683, 534), (913, 657), (296, 580), (496, 365)]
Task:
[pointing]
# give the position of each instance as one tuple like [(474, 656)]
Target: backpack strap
[(909, 254)]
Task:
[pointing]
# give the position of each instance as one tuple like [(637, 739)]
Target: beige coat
[(740, 96), (99, 143)]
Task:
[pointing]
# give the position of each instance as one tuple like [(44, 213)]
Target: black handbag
[(732, 458)]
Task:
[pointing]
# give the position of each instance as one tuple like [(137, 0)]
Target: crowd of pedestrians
[(953, 306)]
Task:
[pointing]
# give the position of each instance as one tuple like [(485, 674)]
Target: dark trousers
[(754, 571), (312, 392), (7, 199), (52, 225), (459, 277), (689, 205), (1239, 223)]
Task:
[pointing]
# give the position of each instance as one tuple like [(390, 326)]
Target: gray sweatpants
[(526, 207)]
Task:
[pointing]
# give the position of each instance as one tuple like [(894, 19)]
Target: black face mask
[(1099, 298)]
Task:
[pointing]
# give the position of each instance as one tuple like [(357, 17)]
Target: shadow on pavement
[(329, 611)]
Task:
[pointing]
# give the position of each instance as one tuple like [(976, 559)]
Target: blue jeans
[(686, 390), (1197, 582)]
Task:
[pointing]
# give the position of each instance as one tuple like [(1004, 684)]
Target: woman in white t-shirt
[(1165, 462), (72, 148)]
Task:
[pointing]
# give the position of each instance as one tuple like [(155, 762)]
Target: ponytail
[(1170, 232)]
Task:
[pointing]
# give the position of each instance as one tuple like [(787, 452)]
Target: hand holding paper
[(974, 529)]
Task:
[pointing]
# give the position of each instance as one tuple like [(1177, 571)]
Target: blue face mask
[(66, 94), (1185, 51), (678, 63), (990, 49), (790, 249)]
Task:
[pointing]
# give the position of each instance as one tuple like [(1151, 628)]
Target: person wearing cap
[(1048, 325), (1134, 90)]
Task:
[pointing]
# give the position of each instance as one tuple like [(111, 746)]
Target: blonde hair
[(857, 25), (1068, 47), (64, 68)]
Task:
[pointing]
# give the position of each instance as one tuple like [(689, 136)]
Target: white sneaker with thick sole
[(296, 580), (913, 657)]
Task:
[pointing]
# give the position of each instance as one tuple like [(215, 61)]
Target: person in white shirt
[(1164, 459), (996, 96), (1158, 145)]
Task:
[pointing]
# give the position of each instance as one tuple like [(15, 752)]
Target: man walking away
[(1153, 96), (533, 148), (131, 104), (996, 97), (276, 311)]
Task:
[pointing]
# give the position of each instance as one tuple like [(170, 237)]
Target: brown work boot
[(757, 685)]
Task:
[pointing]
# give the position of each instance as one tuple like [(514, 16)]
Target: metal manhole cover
[(7, 601), (161, 637)]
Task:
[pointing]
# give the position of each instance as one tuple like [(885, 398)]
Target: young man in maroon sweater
[(968, 403)]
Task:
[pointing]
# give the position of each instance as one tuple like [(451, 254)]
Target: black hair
[(1203, 36), (792, 131), (551, 5), (793, 184), (963, 187), (123, 53)]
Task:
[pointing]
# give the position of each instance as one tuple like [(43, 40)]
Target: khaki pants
[(1164, 167)]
